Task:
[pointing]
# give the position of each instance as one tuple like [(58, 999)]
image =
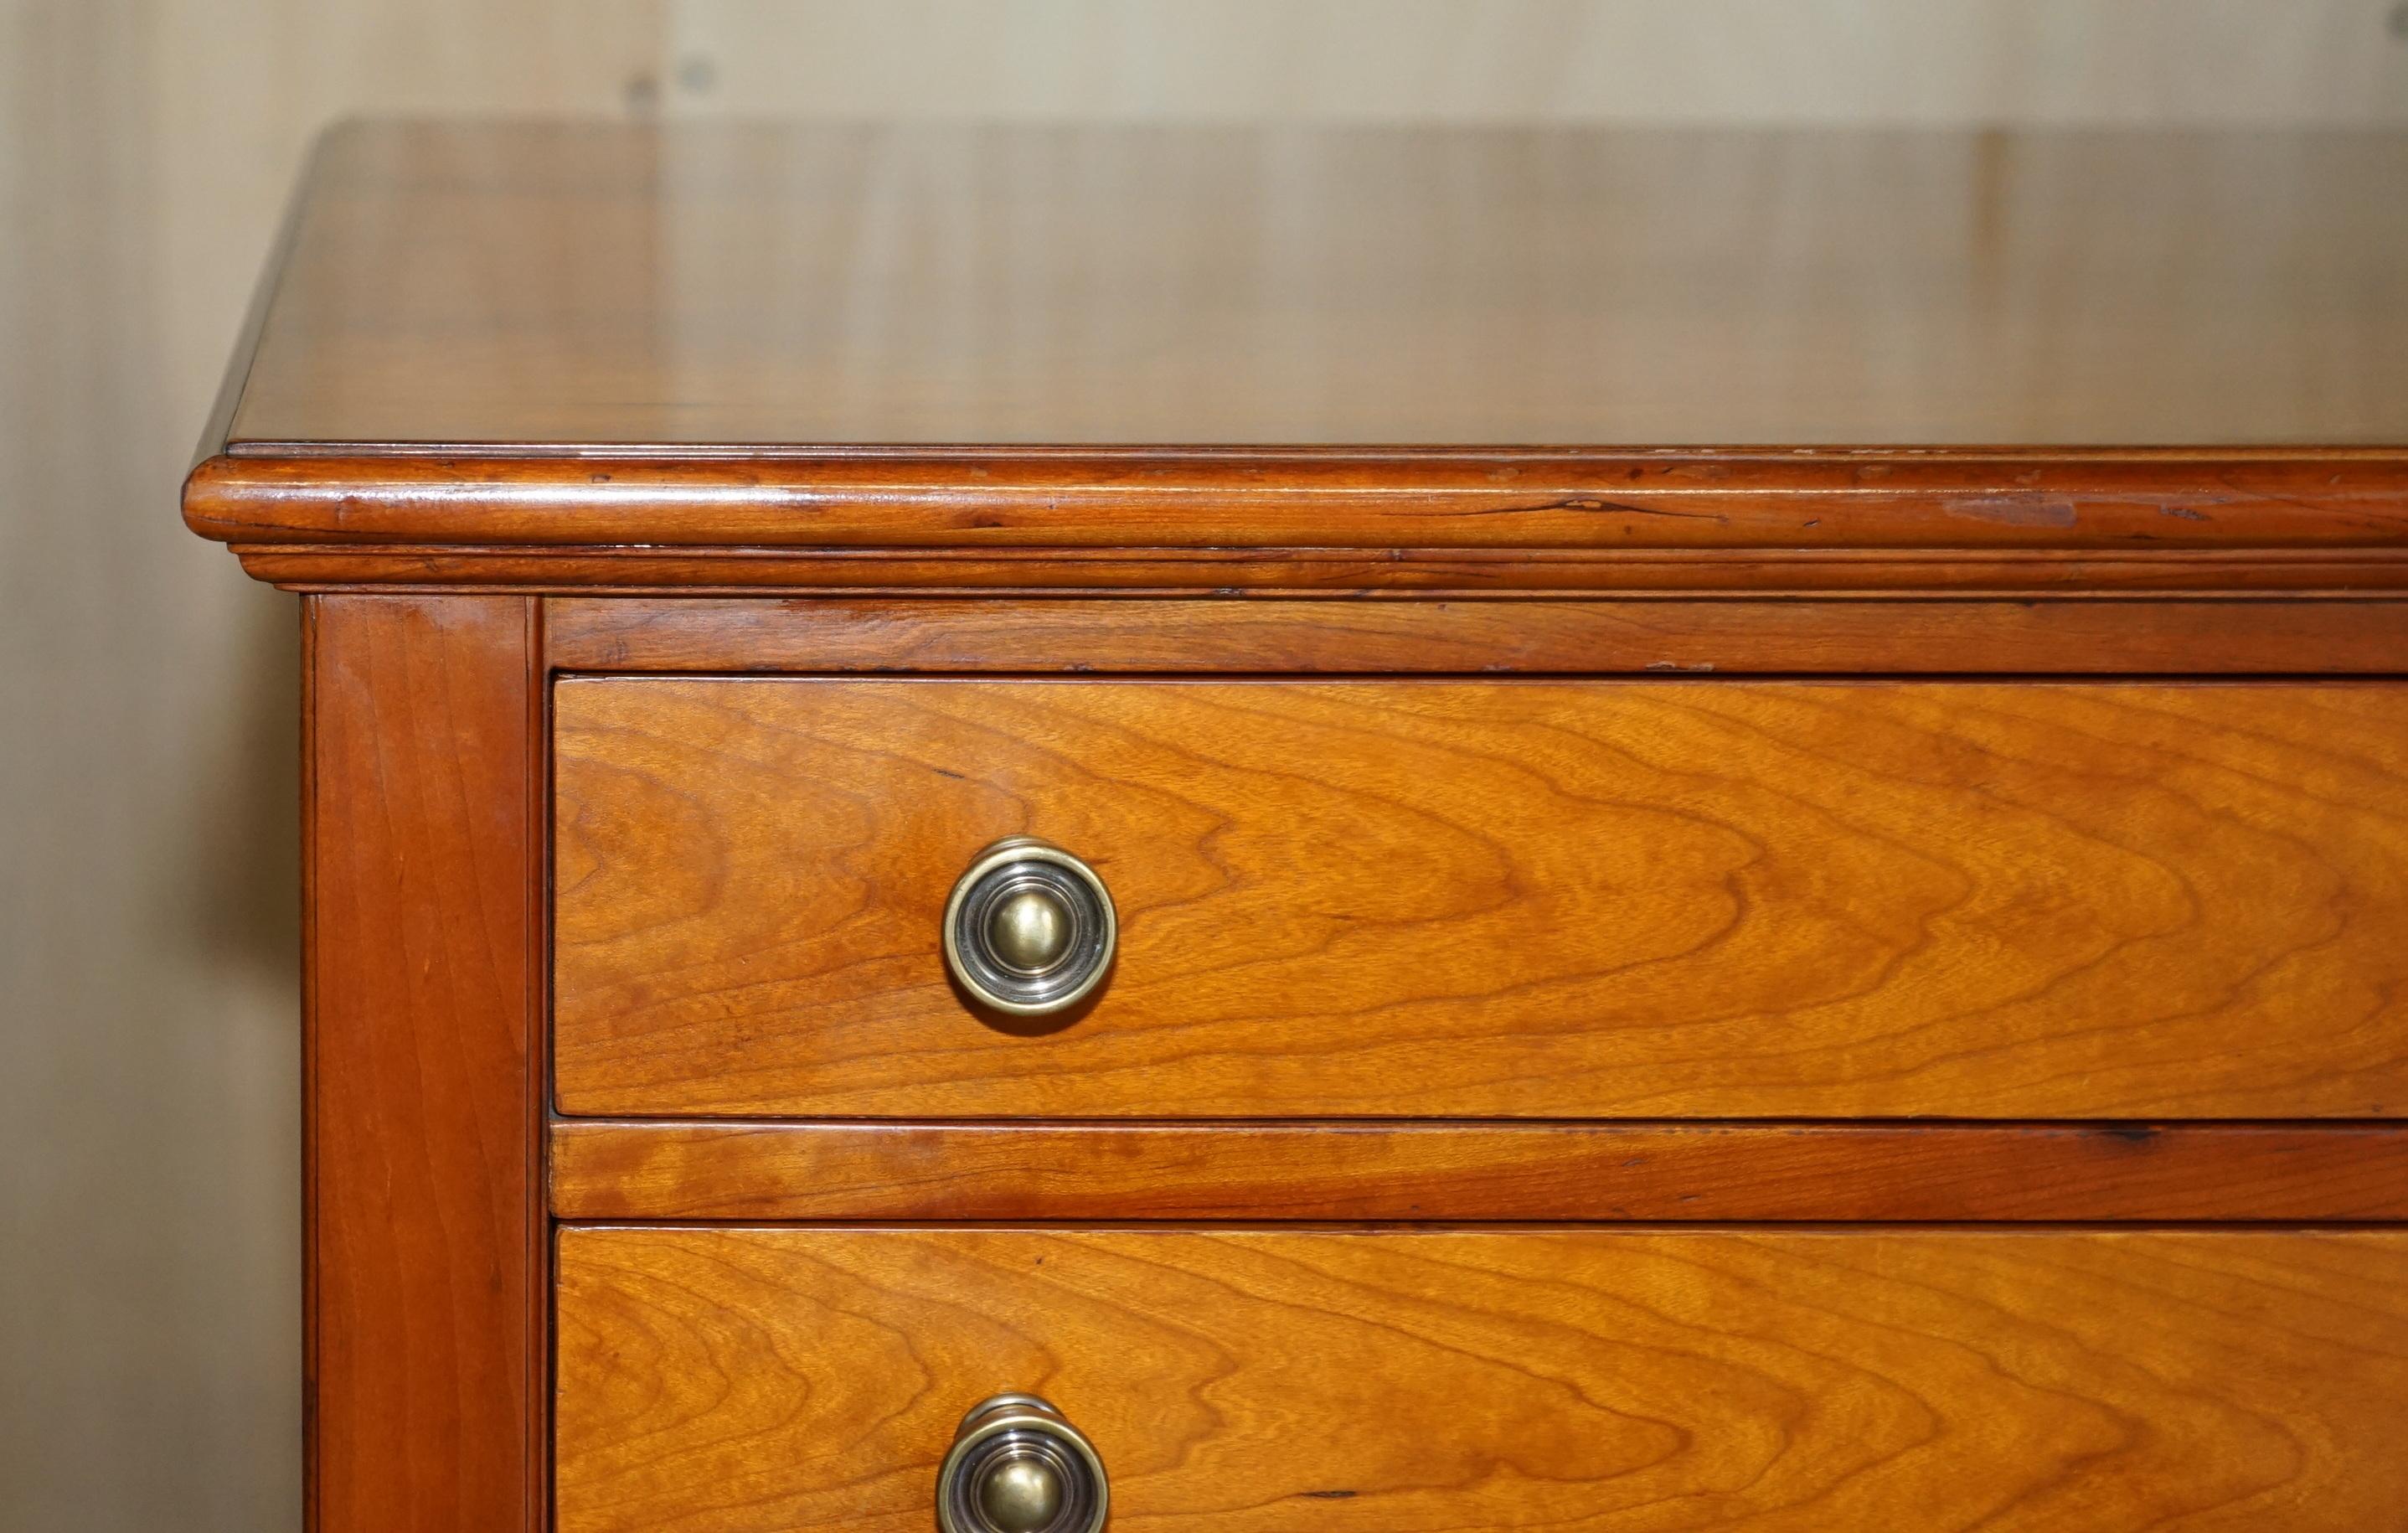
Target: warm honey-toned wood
[(1304, 637), (1816, 1173), (719, 284), (1122, 500), (546, 358), (424, 1270), (1497, 898), (744, 1381), (1438, 574), (1479, 523), (1477, 422)]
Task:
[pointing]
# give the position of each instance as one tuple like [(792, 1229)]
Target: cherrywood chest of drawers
[(1347, 830)]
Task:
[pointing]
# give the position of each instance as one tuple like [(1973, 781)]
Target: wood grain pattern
[(742, 1381), (719, 284), (1303, 636), (1497, 898), (2071, 404), (549, 358), (424, 1274), (1400, 1171)]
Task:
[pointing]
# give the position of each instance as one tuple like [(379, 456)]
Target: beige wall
[(1519, 60), (148, 1133), (149, 1114)]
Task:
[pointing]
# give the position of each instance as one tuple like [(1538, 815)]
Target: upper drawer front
[(744, 1381), (1497, 898)]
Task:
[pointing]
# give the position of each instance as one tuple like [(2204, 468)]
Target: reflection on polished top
[(602, 285)]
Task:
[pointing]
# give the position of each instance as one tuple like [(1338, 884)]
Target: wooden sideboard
[(1433, 829)]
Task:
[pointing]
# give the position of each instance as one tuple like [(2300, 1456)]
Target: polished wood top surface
[(507, 287)]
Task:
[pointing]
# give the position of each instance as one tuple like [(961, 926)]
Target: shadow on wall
[(150, 1198), (235, 896)]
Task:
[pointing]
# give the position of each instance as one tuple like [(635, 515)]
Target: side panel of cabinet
[(425, 1263)]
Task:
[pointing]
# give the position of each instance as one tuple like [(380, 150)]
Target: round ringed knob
[(1018, 1466), (1029, 930)]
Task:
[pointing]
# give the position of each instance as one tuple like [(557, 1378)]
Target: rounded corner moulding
[(1470, 522)]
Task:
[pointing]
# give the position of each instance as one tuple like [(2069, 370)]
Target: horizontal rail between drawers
[(604, 1170)]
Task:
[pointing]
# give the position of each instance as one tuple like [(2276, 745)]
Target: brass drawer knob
[(1018, 1467), (1029, 930)]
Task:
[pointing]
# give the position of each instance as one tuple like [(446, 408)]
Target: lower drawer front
[(1294, 1380)]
